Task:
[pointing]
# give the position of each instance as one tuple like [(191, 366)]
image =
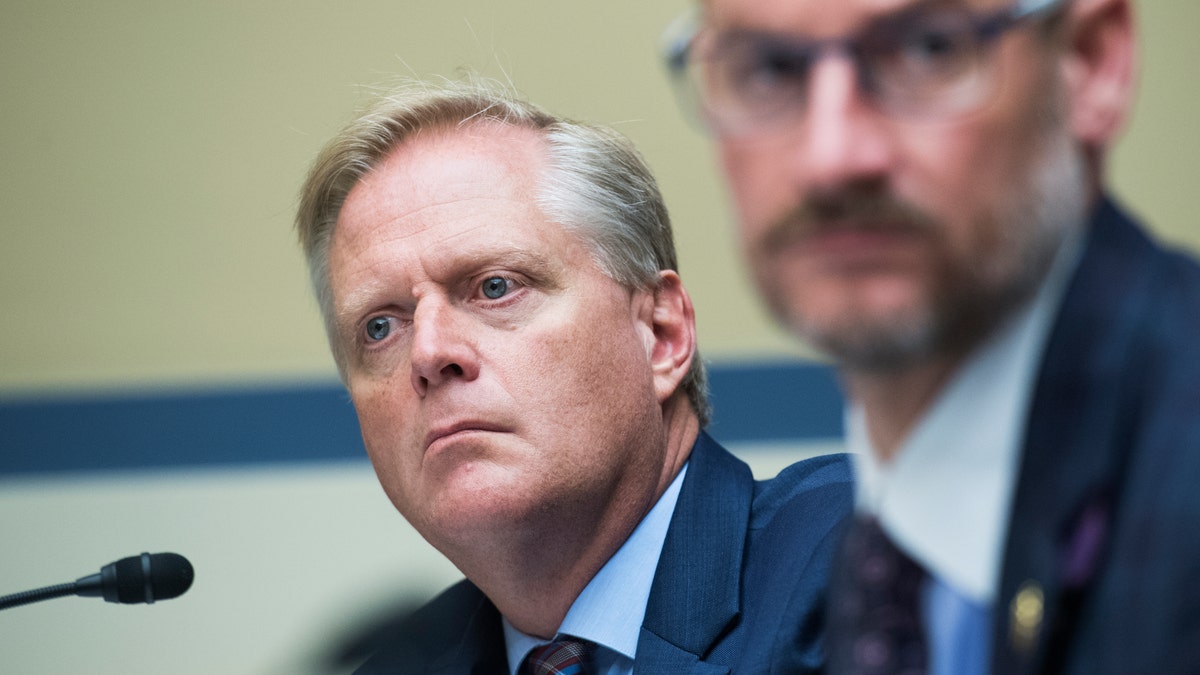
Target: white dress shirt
[(945, 497), (610, 609)]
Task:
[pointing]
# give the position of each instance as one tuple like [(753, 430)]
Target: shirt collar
[(945, 497), (610, 608)]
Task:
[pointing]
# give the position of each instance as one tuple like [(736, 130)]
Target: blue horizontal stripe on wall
[(57, 435)]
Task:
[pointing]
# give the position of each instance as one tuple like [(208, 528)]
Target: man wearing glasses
[(920, 193)]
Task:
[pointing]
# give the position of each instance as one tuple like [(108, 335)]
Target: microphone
[(136, 579)]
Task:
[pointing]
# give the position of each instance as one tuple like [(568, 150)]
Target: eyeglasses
[(931, 60)]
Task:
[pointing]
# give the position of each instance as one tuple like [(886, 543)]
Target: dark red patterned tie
[(562, 657), (874, 608)]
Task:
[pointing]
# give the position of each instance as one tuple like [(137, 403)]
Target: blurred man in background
[(921, 196), (501, 299)]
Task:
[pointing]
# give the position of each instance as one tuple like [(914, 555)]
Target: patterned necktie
[(875, 622), (562, 657)]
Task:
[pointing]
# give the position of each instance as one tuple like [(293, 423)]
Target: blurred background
[(164, 380)]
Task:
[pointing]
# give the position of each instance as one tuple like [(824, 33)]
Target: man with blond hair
[(500, 291)]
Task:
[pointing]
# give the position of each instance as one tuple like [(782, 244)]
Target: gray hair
[(597, 185)]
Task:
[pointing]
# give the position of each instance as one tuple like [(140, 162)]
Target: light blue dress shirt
[(610, 608)]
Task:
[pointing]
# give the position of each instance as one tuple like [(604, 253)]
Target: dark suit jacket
[(1103, 551), (739, 555)]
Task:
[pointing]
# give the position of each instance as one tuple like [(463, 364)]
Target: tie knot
[(567, 656), (876, 562)]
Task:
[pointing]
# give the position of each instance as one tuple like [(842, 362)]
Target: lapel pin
[(1026, 613)]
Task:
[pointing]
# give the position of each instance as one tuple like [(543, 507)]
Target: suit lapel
[(657, 655), (480, 649), (697, 586), (457, 633), (1075, 448)]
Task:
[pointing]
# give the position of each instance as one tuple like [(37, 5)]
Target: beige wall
[(1156, 164), (150, 154)]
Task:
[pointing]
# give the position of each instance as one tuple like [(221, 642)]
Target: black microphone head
[(147, 578)]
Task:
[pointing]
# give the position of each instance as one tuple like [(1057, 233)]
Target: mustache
[(848, 209)]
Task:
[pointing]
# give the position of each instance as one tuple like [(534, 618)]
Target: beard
[(971, 295)]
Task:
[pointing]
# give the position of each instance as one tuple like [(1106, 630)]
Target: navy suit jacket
[(741, 559), (1102, 564)]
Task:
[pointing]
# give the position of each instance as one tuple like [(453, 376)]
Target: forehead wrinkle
[(400, 189), (366, 228)]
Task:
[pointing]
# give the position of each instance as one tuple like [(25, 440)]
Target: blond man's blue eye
[(495, 287), (378, 328)]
